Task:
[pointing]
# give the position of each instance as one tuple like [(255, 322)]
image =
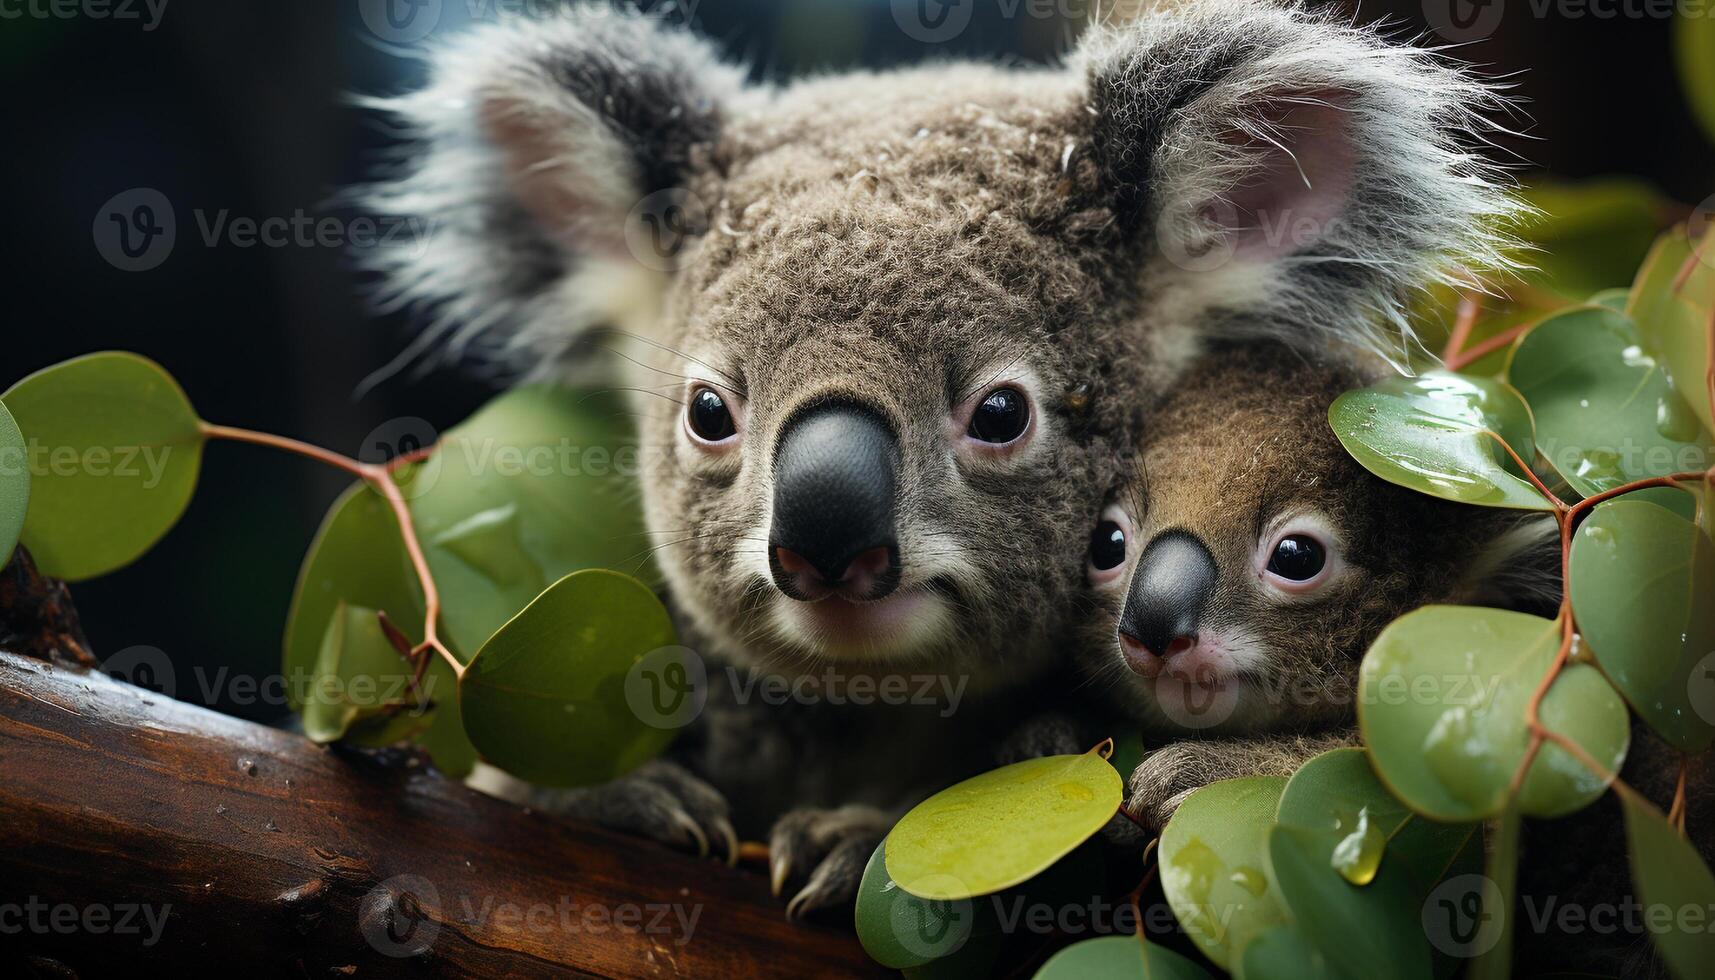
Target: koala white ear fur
[(532, 141), (1295, 177)]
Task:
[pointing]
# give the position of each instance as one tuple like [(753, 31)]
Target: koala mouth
[(903, 623)]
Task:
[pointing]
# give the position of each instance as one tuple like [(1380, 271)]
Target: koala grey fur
[(905, 241)]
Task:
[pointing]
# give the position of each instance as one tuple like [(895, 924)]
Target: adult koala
[(907, 325)]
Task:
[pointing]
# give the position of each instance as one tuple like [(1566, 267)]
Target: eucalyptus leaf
[(1694, 52), (359, 676), (14, 484), (1673, 315), (1606, 414), (358, 557), (1440, 433), (900, 930), (1441, 706), (540, 483), (114, 448), (1215, 868), (545, 698), (1002, 827), (1643, 590), (1285, 953), (1671, 875), (1359, 928), (1119, 958)]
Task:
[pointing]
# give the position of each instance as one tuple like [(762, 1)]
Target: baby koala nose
[(1173, 583), (835, 471)]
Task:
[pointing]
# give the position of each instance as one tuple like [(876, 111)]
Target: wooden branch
[(142, 835)]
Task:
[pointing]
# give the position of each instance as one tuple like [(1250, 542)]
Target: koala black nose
[(835, 474), (1174, 580)]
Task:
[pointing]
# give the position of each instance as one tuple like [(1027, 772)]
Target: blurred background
[(236, 109)]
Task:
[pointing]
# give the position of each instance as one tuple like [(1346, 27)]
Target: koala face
[(1240, 584), (901, 342)]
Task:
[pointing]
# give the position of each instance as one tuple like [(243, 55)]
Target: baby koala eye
[(1298, 558), (1000, 417), (708, 417), (1108, 545)]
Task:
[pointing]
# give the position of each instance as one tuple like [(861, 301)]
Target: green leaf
[(1284, 953), (1214, 865), (1437, 433), (1591, 235), (1002, 827), (1489, 938), (1442, 695), (1671, 875), (540, 483), (900, 930), (358, 557), (1119, 958), (545, 698), (1642, 579), (1673, 316), (1694, 52), (14, 484), (358, 676), (1605, 412), (114, 453), (1355, 927)]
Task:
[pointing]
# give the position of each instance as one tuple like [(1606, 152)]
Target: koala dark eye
[(709, 417), (1298, 558), (1107, 546), (1002, 416)]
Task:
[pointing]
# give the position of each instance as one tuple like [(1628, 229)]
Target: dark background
[(244, 105)]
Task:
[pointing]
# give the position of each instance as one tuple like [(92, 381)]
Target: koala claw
[(833, 846), (658, 800), (1161, 782)]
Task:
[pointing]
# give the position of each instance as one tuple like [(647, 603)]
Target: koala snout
[(835, 480), (1173, 582)]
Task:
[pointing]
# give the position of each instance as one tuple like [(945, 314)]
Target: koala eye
[(1108, 545), (1298, 558), (708, 417), (1000, 417)]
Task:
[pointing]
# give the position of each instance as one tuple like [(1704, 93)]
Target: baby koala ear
[(1292, 176), (535, 141)]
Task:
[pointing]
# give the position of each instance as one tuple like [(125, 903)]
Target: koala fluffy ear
[(1290, 174), (533, 141)]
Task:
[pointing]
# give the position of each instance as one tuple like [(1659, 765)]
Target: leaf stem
[(1464, 322), (1482, 349), (380, 478)]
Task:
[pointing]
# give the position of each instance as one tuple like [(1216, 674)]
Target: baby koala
[(1238, 585)]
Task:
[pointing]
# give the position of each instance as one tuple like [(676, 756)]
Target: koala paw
[(1163, 780), (658, 800), (831, 846)]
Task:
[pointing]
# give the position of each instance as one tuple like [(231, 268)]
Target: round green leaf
[(1437, 433), (1119, 958), (1643, 590), (359, 675), (540, 483), (900, 930), (14, 483), (1694, 52), (1673, 316), (114, 449), (544, 699), (1605, 412), (1214, 866), (1671, 875), (1284, 953), (1441, 706), (1002, 827)]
